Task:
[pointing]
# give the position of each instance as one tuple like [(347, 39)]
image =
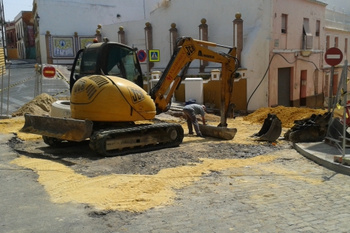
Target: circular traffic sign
[(49, 71), (141, 55), (333, 56)]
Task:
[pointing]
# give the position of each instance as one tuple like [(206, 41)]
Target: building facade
[(24, 28), (279, 40), (11, 41), (63, 27)]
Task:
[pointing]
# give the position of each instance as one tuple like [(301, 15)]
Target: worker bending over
[(190, 112)]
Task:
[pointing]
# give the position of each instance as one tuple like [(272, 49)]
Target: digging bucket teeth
[(271, 129)]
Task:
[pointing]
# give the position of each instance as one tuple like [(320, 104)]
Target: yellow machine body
[(110, 99)]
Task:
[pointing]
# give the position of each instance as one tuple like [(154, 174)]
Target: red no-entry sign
[(333, 56), (49, 71)]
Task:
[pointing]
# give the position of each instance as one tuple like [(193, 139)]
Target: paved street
[(293, 196), (285, 193)]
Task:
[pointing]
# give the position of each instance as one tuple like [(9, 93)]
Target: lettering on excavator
[(190, 50), (80, 86), (136, 95)]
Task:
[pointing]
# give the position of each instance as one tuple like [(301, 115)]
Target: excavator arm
[(187, 50)]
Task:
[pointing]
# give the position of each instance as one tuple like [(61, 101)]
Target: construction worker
[(190, 112)]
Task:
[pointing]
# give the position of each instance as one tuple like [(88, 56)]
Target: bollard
[(2, 88)]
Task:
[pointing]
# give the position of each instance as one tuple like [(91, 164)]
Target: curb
[(322, 154)]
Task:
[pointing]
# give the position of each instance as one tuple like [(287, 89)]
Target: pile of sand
[(40, 105), (287, 115)]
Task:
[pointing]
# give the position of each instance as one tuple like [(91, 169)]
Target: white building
[(61, 18), (284, 38)]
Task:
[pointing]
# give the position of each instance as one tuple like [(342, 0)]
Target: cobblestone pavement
[(288, 194)]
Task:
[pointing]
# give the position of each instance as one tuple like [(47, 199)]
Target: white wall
[(82, 16), (62, 17), (187, 16), (342, 6), (257, 33)]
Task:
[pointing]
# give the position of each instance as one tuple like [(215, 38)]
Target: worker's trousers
[(192, 120)]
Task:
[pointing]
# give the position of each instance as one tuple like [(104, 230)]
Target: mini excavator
[(107, 99)]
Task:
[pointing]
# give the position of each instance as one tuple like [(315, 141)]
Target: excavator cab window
[(122, 62), (88, 62), (107, 59)]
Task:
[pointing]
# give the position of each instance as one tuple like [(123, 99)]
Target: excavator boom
[(187, 50)]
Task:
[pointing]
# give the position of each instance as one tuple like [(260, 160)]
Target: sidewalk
[(323, 154), (21, 61)]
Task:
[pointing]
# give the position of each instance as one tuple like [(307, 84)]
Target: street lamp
[(37, 18)]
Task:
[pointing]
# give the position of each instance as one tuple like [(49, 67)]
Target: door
[(284, 75), (303, 84)]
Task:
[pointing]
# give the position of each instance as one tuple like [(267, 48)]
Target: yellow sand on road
[(124, 192), (140, 192)]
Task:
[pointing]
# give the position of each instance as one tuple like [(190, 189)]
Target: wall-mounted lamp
[(37, 18)]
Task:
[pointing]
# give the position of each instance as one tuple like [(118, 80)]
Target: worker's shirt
[(196, 108)]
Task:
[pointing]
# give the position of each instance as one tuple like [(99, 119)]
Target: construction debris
[(271, 129), (312, 129)]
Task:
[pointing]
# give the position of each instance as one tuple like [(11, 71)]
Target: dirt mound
[(287, 115), (40, 105)]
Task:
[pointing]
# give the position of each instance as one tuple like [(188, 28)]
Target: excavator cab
[(110, 58)]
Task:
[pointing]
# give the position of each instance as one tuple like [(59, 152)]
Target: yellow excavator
[(107, 99)]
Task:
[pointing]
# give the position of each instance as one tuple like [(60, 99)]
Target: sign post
[(332, 57)]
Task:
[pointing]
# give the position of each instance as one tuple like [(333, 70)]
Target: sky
[(14, 7)]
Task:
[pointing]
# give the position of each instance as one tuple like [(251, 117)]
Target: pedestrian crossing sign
[(154, 55)]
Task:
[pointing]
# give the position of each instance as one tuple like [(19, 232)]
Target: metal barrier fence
[(337, 133), (2, 91), (22, 81)]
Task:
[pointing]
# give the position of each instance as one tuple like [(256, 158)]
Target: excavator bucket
[(61, 128), (218, 132), (271, 129)]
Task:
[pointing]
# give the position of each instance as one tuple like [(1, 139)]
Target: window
[(328, 41), (318, 26), (307, 35), (336, 42), (346, 46), (284, 23)]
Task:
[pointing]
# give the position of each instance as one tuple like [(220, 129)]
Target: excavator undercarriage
[(140, 138), (106, 139)]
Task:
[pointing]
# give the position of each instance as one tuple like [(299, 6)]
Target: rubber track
[(98, 139)]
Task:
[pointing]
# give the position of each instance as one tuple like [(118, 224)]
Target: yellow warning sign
[(154, 55)]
